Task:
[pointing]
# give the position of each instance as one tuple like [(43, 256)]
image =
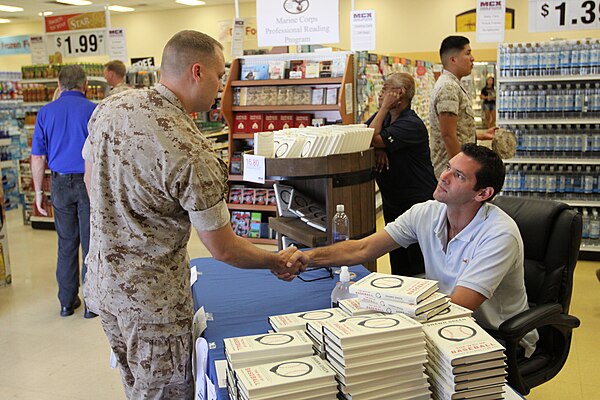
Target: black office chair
[(551, 233)]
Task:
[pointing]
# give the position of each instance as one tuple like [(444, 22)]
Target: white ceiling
[(33, 7)]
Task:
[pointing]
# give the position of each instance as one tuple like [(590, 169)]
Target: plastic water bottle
[(341, 290), (340, 225)]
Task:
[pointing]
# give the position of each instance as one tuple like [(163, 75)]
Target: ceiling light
[(45, 13), (191, 2), (10, 8), (4, 21), (75, 2), (120, 9)]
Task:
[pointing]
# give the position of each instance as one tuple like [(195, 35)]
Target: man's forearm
[(38, 167)]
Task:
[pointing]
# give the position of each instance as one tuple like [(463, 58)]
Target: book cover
[(352, 307), (235, 195), (276, 69), (325, 69), (240, 222), (255, 220), (295, 321), (438, 303), (318, 96), (254, 72), (310, 209), (367, 329), (271, 198), (393, 287), (311, 69), (396, 373), (269, 344), (319, 223), (461, 341), (283, 195), (375, 346), (260, 196), (412, 360), (453, 311), (297, 69), (387, 387), (442, 389), (285, 377), (248, 196), (445, 371), (338, 67), (299, 200)]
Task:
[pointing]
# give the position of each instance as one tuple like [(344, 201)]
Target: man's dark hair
[(186, 48), (117, 66), (452, 45), (72, 77), (491, 170)]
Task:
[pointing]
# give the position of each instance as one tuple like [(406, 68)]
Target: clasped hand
[(290, 264)]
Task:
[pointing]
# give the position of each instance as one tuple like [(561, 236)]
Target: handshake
[(290, 263)]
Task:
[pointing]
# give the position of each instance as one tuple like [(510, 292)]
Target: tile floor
[(46, 357)]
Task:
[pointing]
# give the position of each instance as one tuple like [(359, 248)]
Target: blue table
[(240, 301)]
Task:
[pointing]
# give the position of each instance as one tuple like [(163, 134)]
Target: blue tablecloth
[(240, 301)]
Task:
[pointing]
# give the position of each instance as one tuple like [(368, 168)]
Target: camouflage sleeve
[(200, 188), (447, 100)]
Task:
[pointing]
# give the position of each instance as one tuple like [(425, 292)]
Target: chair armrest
[(542, 315)]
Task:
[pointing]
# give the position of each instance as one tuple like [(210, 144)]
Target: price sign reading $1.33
[(560, 15), (254, 168), (79, 44)]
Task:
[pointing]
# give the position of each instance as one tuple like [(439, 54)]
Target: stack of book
[(352, 307), (248, 351), (378, 358), (464, 360), (292, 203), (394, 294), (298, 321), (453, 311), (308, 378)]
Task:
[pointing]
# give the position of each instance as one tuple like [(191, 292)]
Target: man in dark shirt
[(60, 131), (404, 171)]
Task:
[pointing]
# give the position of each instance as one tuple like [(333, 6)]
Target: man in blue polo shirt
[(60, 131)]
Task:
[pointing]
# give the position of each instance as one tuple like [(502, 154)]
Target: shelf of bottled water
[(590, 233), (580, 142), (555, 58)]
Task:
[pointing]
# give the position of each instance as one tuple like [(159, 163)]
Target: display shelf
[(262, 241), (298, 230), (35, 103), (554, 161), (216, 134), (29, 126), (237, 136), (251, 207), (224, 146), (306, 107), (548, 78), (5, 142), (55, 80), (547, 121), (524, 173), (290, 82), (7, 164)]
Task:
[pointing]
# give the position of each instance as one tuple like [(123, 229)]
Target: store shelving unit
[(555, 154), (237, 141)]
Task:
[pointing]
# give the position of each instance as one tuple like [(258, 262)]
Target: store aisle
[(46, 357)]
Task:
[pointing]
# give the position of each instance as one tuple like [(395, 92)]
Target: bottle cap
[(339, 208), (344, 274)]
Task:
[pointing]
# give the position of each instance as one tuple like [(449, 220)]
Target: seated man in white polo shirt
[(473, 248)]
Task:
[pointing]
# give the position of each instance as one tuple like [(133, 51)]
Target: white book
[(319, 223), (375, 358), (364, 330), (352, 307), (461, 341), (268, 344), (297, 321), (283, 195), (468, 384), (416, 361), (484, 369), (454, 311), (300, 201), (437, 301), (393, 287), (326, 393), (378, 354), (379, 384), (371, 347), (442, 390), (391, 393), (284, 377), (372, 379)]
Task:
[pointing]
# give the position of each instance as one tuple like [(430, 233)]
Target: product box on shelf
[(271, 122), (240, 222), (287, 120), (260, 197), (302, 120), (248, 196), (241, 123), (255, 123), (235, 195), (311, 69), (235, 164), (271, 200), (276, 69), (325, 69), (255, 72), (297, 69), (255, 221)]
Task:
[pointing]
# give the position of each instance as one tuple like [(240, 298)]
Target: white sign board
[(78, 44), (117, 46), (37, 44), (490, 20), (560, 15), (297, 22), (254, 168), (362, 30), (237, 38)]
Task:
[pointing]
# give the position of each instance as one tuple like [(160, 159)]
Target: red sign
[(75, 22)]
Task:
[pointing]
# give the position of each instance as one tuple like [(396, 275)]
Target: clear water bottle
[(340, 228), (341, 291)]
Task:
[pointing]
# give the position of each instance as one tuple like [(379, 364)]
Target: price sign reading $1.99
[(559, 15), (254, 168), (79, 44)]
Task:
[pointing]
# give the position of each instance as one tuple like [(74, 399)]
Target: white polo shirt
[(486, 256)]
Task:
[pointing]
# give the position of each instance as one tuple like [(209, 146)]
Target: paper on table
[(205, 389)]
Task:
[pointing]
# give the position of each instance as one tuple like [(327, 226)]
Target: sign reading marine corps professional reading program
[(297, 22)]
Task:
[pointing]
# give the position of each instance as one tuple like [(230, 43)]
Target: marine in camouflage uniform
[(153, 176), (448, 96)]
